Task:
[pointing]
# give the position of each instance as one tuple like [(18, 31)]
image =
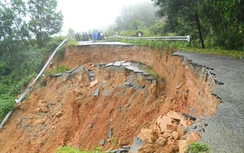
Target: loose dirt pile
[(108, 105)]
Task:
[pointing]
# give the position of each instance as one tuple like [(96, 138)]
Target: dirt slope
[(72, 109)]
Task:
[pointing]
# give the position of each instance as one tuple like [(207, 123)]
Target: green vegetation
[(69, 149), (224, 29), (114, 141), (197, 147), (59, 69), (15, 76), (25, 46), (150, 71), (6, 104), (183, 46)]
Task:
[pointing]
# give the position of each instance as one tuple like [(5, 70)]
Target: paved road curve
[(225, 130)]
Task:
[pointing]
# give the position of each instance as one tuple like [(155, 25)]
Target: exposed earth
[(109, 100)]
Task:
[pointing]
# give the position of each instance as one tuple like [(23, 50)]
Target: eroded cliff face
[(98, 104)]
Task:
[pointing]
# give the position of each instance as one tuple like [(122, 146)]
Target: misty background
[(83, 16)]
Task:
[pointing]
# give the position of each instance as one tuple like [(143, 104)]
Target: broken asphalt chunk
[(137, 143), (96, 93)]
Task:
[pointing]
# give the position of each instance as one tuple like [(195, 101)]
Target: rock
[(109, 133), (189, 117), (102, 142), (162, 122), (174, 115), (128, 84), (42, 104), (59, 114), (171, 127), (93, 83), (119, 108), (137, 143), (171, 141), (175, 135), (148, 135), (171, 148), (184, 122), (180, 132), (166, 135), (183, 146), (161, 141), (109, 64), (96, 93), (192, 137)]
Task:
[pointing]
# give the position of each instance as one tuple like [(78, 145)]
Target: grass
[(69, 149), (197, 147), (149, 70), (185, 46), (59, 69), (230, 53)]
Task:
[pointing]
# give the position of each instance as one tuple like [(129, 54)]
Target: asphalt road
[(225, 130)]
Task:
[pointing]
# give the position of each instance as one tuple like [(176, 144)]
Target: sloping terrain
[(98, 103)]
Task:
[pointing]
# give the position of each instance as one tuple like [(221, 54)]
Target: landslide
[(73, 109)]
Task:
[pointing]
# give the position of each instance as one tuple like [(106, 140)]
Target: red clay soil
[(65, 111)]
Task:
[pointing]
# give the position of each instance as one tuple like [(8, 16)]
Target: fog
[(84, 15)]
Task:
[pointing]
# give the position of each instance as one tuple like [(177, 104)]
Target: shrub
[(197, 147), (6, 104)]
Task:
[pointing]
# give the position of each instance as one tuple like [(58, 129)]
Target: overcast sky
[(84, 15)]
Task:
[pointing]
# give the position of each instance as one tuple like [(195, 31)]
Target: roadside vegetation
[(25, 45)]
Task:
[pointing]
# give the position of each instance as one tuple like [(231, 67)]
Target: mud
[(113, 107)]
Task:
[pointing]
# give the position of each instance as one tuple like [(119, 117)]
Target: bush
[(197, 147), (6, 104)]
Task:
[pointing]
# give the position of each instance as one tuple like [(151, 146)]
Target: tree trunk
[(199, 30)]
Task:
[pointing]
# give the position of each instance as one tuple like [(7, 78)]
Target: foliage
[(15, 77), (52, 44), (69, 149), (13, 30), (44, 19), (6, 104), (210, 23), (70, 42), (197, 147), (59, 69), (157, 28)]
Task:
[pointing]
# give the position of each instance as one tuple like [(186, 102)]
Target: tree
[(221, 23), (13, 30), (181, 11), (134, 16), (44, 19)]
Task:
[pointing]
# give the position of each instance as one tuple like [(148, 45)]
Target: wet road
[(225, 130)]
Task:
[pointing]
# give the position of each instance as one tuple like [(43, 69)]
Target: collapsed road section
[(115, 96)]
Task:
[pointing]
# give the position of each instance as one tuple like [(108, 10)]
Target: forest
[(27, 30)]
